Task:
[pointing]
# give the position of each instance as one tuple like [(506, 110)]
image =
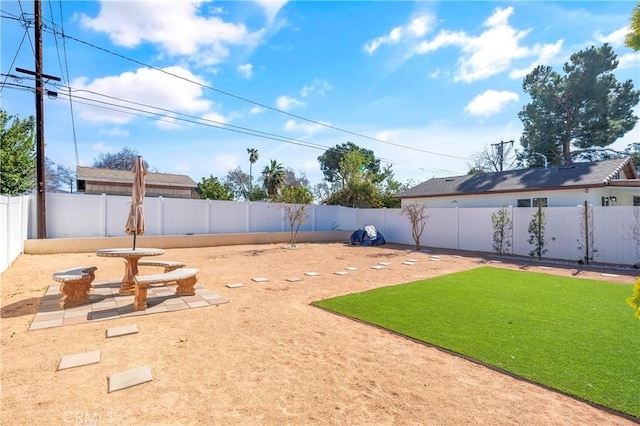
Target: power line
[(14, 59), (254, 102)]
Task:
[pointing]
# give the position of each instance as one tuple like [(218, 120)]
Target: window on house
[(636, 201), (540, 202), (524, 202)]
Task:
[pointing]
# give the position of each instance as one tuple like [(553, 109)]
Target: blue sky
[(425, 85)]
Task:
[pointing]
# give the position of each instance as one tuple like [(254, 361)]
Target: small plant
[(586, 243), (634, 301), (417, 216), (295, 200), (536, 233), (502, 230)]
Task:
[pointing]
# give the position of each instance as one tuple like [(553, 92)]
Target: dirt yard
[(266, 357)]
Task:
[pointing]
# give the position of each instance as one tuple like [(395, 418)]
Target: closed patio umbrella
[(135, 221)]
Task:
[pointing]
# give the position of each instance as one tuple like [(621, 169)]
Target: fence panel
[(266, 217), (326, 217), (183, 216), (441, 229), (475, 229), (398, 228), (14, 216), (228, 217), (613, 236), (73, 215)]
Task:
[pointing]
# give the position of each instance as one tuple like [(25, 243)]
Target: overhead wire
[(6, 76), (257, 103), (54, 29)]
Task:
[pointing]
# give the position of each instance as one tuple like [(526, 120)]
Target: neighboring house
[(600, 183), (119, 182)]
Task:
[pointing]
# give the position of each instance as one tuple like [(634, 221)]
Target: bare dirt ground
[(266, 357)]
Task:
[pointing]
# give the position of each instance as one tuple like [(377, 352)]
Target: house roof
[(124, 176), (576, 175)]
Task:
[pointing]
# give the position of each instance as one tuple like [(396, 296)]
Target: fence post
[(103, 214), (160, 214), (248, 216), (207, 215)]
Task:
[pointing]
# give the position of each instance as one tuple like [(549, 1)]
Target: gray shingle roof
[(124, 176), (581, 175)]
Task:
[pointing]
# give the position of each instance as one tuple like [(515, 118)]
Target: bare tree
[(494, 159), (417, 216), (295, 200)]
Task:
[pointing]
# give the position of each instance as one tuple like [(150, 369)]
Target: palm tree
[(273, 178), (253, 157)]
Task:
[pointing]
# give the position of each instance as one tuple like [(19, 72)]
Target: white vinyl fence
[(80, 215)]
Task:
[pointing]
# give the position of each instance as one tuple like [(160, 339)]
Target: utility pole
[(501, 151), (40, 155)]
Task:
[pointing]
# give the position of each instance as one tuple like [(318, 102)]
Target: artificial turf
[(575, 335)]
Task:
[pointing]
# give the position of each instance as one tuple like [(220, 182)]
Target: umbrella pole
[(134, 240)]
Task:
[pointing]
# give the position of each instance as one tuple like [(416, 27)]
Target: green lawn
[(575, 335)]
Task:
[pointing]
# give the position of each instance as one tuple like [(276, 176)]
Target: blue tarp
[(367, 236)]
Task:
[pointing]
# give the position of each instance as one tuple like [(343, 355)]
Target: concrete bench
[(168, 265), (185, 278), (75, 284)]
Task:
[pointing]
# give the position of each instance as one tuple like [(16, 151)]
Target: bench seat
[(75, 285), (168, 265), (185, 278)]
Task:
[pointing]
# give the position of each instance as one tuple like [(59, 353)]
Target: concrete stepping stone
[(294, 279), (412, 260), (341, 272), (610, 275), (77, 360), (435, 259), (260, 279), (235, 285), (351, 268), (544, 267), (377, 267), (126, 379), (312, 274), (406, 262), (384, 263), (122, 330)]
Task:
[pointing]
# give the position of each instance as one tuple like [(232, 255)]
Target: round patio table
[(131, 270)]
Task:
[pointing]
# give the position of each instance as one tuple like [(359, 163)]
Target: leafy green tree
[(212, 189), (586, 107), (122, 160), (536, 233), (295, 201), (634, 301), (273, 178), (258, 194), (331, 158), (253, 158), (17, 154), (632, 39), (502, 230), (58, 177)]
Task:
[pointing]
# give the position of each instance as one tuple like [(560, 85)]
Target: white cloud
[(490, 102), (418, 27), (305, 127), (102, 148), (286, 103), (117, 132), (216, 117), (546, 54), (492, 51), (318, 86), (246, 70), (615, 39), (144, 86), (629, 60), (271, 7), (256, 110), (167, 122), (174, 26)]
